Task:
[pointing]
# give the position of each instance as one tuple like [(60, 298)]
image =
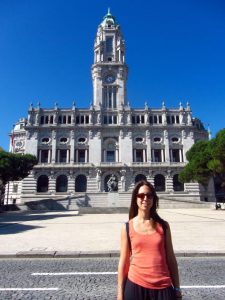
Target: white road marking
[(203, 287), (29, 289), (73, 273)]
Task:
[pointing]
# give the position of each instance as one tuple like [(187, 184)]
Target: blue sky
[(175, 51)]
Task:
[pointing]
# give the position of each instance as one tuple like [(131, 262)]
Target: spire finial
[(109, 11)]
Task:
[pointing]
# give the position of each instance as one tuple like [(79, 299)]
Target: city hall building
[(95, 155)]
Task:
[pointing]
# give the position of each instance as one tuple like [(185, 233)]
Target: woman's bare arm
[(124, 262), (172, 262)]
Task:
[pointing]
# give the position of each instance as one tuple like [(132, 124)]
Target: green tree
[(206, 159), (14, 166)]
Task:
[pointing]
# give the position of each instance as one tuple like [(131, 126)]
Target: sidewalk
[(65, 234)]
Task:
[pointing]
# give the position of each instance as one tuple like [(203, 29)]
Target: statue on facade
[(123, 179), (128, 119), (98, 179), (112, 183), (99, 118), (30, 118)]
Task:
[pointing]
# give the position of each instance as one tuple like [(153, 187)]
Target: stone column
[(166, 143), (67, 156), (148, 143), (72, 143), (53, 146), (52, 183)]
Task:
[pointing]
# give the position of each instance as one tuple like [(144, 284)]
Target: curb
[(99, 254)]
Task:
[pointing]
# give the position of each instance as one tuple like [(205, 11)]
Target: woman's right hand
[(119, 297)]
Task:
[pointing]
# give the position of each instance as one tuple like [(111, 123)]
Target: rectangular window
[(110, 156), (114, 98), (109, 44), (87, 119), (15, 188), (110, 98), (110, 119), (139, 155), (157, 155), (114, 119), (62, 156), (44, 156), (81, 155), (175, 155)]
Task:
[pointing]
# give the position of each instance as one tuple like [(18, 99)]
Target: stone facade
[(80, 149)]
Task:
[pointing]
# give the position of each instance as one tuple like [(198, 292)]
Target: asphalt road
[(95, 278)]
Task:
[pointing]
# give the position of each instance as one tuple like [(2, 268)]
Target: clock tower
[(109, 71)]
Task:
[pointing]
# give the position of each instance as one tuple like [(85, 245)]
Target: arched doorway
[(42, 184), (159, 183), (61, 184), (177, 185), (140, 177), (81, 183)]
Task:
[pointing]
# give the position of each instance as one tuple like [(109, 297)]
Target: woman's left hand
[(178, 293)]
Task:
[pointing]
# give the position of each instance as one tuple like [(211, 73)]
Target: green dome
[(108, 19)]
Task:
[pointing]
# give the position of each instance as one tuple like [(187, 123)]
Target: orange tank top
[(148, 266)]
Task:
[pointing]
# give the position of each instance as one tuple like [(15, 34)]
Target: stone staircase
[(65, 203), (109, 202)]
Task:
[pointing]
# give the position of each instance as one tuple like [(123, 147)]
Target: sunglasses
[(142, 196)]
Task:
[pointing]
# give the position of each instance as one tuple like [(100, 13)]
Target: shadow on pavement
[(28, 216), (13, 228)]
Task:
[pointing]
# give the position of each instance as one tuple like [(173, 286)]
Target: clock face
[(110, 78)]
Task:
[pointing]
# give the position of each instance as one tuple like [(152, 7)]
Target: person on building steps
[(147, 268)]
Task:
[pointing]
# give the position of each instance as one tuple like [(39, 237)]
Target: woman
[(147, 271)]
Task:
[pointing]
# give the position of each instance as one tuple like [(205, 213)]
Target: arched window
[(159, 183), (81, 183), (177, 185), (42, 184), (140, 177), (61, 183)]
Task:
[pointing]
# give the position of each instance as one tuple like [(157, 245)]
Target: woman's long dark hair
[(153, 211)]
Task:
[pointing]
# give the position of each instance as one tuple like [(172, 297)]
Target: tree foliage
[(14, 167), (206, 159)]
